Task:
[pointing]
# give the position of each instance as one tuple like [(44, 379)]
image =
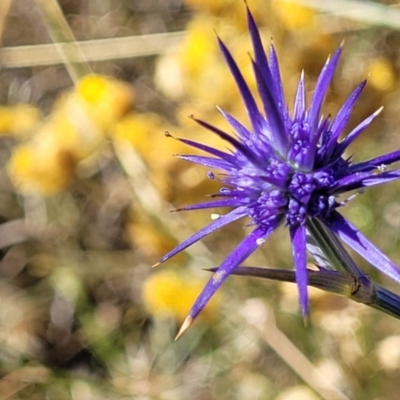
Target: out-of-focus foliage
[(87, 180)]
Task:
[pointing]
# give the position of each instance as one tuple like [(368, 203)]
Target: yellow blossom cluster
[(76, 129), (195, 71)]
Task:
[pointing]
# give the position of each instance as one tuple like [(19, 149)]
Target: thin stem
[(325, 247), (386, 301), (330, 281), (63, 39), (365, 290), (368, 12), (338, 272)]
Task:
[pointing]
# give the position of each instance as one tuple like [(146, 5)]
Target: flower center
[(304, 194), (308, 196)]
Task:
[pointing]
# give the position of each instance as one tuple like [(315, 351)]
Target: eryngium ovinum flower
[(285, 170)]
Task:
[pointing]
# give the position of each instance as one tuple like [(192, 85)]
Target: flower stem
[(338, 273), (328, 251)]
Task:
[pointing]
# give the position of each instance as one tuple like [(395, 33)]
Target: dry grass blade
[(4, 8), (12, 232), (90, 50), (362, 11), (262, 320), (60, 32), (18, 380)]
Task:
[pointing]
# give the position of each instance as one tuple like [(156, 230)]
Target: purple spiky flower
[(285, 170)]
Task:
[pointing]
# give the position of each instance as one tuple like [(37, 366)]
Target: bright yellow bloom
[(102, 99), (35, 170), (76, 129), (19, 119), (381, 74), (198, 66), (199, 47), (170, 293)]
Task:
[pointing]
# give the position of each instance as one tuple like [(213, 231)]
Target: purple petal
[(343, 117), (323, 133), (232, 202), (300, 100), (215, 152), (207, 161), (299, 249), (242, 251), (380, 178), (239, 146), (247, 136), (279, 137), (360, 180), (376, 162), (232, 193), (259, 53), (243, 132), (251, 105), (353, 135), (271, 76), (360, 244), (219, 223), (322, 86), (277, 81)]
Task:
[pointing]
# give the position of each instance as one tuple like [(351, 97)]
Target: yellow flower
[(294, 16), (69, 132), (199, 46), (170, 293), (75, 130), (381, 74), (104, 100), (138, 130), (46, 164), (35, 170), (19, 119)]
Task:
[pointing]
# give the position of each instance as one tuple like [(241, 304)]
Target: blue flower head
[(285, 170)]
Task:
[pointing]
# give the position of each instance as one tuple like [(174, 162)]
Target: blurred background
[(88, 179)]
